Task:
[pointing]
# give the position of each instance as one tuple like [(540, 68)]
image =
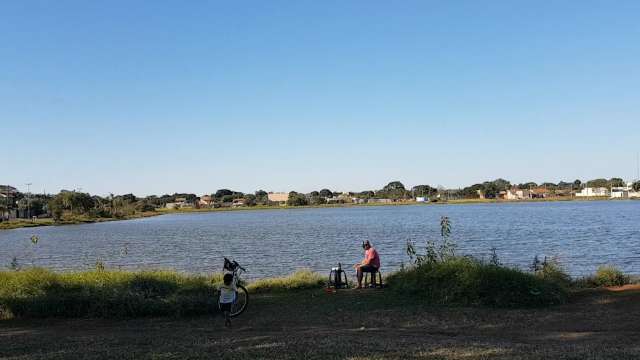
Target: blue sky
[(169, 96)]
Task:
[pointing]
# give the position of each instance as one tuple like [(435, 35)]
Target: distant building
[(623, 192), (517, 194), (381, 201), (278, 197), (179, 204), (206, 200), (8, 190), (593, 192), (238, 202), (562, 192), (540, 192), (421, 199)]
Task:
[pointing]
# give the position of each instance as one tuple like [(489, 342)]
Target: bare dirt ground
[(366, 324)]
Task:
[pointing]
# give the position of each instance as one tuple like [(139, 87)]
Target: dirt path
[(602, 324)]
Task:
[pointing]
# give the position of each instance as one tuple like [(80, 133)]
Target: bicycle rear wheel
[(242, 300)]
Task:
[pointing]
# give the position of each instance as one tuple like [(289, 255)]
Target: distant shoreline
[(25, 223)]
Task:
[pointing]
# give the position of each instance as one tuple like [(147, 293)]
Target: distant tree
[(471, 192), (366, 194), (129, 198), (316, 199), (144, 206), (549, 185), (249, 199), (527, 185), (56, 207), (326, 193), (222, 192), (577, 184), (616, 182), (491, 190), (394, 186), (227, 198), (564, 185), (296, 199), (393, 190), (501, 184), (424, 190), (314, 194), (598, 183), (262, 197)]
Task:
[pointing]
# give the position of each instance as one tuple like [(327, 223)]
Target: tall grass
[(301, 279), (605, 276), (466, 281), (42, 293), (38, 292)]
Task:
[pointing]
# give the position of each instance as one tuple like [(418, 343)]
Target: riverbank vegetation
[(456, 281), (71, 207), (101, 293)]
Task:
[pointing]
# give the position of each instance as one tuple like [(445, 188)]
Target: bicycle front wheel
[(242, 300)]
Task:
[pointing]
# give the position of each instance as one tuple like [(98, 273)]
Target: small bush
[(466, 281), (301, 279), (552, 271), (605, 276)]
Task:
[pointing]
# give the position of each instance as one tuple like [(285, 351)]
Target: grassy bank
[(35, 293), (70, 220), (123, 294), (114, 315)]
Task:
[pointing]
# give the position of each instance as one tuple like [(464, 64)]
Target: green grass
[(465, 281), (20, 223), (122, 294), (301, 279), (43, 293), (71, 220)]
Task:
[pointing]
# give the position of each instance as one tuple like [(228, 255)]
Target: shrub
[(610, 276), (552, 271), (466, 281), (604, 276), (301, 279)]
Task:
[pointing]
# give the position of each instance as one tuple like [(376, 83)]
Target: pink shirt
[(371, 258)]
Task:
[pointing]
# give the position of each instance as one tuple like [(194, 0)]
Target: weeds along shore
[(104, 293)]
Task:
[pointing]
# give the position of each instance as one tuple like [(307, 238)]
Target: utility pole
[(28, 200), (6, 202)]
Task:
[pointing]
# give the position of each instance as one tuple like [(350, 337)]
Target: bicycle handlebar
[(235, 264)]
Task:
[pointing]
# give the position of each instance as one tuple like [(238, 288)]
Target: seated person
[(370, 264)]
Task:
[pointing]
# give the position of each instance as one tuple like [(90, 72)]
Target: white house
[(624, 192), (517, 194), (593, 192)]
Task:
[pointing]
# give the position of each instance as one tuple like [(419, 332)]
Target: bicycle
[(242, 295)]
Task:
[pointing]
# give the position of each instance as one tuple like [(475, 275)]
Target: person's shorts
[(368, 268), (225, 307)]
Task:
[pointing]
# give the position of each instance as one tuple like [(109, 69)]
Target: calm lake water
[(582, 235)]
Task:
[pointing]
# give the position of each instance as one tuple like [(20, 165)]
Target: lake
[(580, 234)]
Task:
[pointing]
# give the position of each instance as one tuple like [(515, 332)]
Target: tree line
[(73, 203)]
